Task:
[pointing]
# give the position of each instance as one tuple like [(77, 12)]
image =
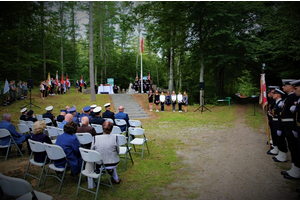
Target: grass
[(147, 178), (258, 121)]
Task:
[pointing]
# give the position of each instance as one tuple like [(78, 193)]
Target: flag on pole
[(62, 79), (67, 80), (48, 81), (6, 87), (149, 76), (142, 42), (81, 81), (263, 93), (56, 78)]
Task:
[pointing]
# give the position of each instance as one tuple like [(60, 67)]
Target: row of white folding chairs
[(53, 132)]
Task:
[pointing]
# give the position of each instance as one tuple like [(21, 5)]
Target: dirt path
[(229, 164)]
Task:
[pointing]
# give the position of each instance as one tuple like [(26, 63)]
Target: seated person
[(70, 144), (85, 112), (38, 130), (85, 128), (108, 113), (97, 119), (68, 118), (18, 137), (72, 111), (24, 112), (30, 116), (108, 146), (62, 115), (92, 114), (122, 115), (49, 115)]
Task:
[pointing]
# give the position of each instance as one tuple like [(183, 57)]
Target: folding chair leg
[(19, 150), (143, 151), (147, 148), (62, 179), (98, 185), (46, 174), (130, 157)]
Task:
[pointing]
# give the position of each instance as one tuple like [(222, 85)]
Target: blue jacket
[(18, 137), (84, 115), (70, 145), (62, 124), (121, 115)]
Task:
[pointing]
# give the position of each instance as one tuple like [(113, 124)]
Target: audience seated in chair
[(122, 115)]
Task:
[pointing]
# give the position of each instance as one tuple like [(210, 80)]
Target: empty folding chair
[(55, 152), (116, 130), (36, 147), (22, 121), (139, 139), (124, 149), (84, 138), (30, 125), (135, 123), (121, 123), (16, 187), (109, 119), (47, 121), (23, 128), (53, 133), (98, 128), (92, 156), (39, 117), (6, 134)]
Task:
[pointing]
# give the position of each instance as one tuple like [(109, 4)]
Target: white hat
[(97, 109), (107, 105), (93, 106), (49, 108), (23, 110)]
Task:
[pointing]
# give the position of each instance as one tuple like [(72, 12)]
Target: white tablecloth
[(108, 89)]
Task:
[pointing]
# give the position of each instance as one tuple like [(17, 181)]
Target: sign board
[(111, 81)]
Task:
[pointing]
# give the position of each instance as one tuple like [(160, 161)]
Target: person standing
[(150, 99), (162, 100), (173, 98), (168, 101), (156, 100), (179, 98), (42, 90), (77, 86), (185, 101)]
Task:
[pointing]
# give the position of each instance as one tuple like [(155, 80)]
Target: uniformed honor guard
[(285, 132), (97, 119), (92, 114), (108, 113), (49, 115), (86, 112), (24, 112), (275, 110)]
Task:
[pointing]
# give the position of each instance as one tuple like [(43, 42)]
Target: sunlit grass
[(256, 118)]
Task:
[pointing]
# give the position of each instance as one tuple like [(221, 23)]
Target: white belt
[(275, 119), (287, 120)]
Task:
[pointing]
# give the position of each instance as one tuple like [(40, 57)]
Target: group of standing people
[(16, 92), (168, 100), (284, 122), (52, 88), (147, 85)]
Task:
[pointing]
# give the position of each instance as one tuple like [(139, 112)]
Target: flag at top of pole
[(56, 78), (62, 79), (6, 87), (263, 93)]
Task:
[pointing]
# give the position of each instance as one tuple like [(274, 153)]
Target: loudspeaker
[(30, 83), (201, 85)]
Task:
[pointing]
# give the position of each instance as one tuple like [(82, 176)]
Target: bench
[(226, 99)]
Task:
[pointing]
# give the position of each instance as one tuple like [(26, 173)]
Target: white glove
[(279, 132), (295, 134), (280, 105), (293, 108)]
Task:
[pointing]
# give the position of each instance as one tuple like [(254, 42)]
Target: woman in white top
[(42, 90), (162, 100), (179, 98), (173, 98)]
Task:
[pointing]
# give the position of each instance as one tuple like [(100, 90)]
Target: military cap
[(97, 109), (295, 83), (23, 110), (87, 109), (49, 108), (93, 106), (287, 81), (278, 91), (30, 112), (106, 105)]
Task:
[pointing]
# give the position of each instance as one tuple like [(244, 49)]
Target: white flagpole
[(142, 91)]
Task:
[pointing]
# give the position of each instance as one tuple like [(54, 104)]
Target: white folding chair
[(23, 128), (116, 130), (3, 134), (53, 133), (47, 121), (36, 147), (135, 123), (16, 187), (124, 149), (109, 119), (60, 131), (92, 156), (139, 139), (84, 138), (98, 128), (55, 152), (58, 123), (39, 117), (22, 121), (30, 125), (121, 122)]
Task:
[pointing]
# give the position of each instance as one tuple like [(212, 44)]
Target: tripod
[(202, 107), (30, 101)]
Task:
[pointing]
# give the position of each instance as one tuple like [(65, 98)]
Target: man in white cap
[(97, 119), (285, 131), (24, 112), (49, 115), (92, 114), (108, 113)]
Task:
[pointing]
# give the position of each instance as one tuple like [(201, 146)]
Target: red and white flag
[(81, 81), (56, 79), (67, 80), (142, 42), (149, 76), (263, 92), (62, 79)]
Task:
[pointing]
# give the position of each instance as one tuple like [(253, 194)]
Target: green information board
[(111, 81)]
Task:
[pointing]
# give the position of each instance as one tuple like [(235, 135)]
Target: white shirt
[(179, 98), (173, 97), (162, 98)]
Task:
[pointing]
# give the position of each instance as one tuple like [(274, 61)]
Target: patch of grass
[(257, 121)]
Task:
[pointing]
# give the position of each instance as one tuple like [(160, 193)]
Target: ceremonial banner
[(49, 81), (56, 79), (62, 79), (142, 42), (81, 81), (263, 93), (6, 87), (149, 76), (67, 80)]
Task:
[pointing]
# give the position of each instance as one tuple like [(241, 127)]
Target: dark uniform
[(50, 116), (60, 118), (108, 114), (92, 114), (97, 120), (23, 117), (31, 119)]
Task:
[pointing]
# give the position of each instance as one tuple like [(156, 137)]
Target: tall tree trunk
[(138, 49), (178, 82), (73, 37), (18, 50), (104, 49), (101, 42), (61, 36), (150, 61), (43, 39), (171, 78), (91, 53), (156, 72), (201, 72)]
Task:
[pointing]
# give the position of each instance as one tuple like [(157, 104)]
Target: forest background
[(227, 45)]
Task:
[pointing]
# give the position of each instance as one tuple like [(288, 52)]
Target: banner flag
[(6, 87), (263, 93), (67, 80), (142, 42), (81, 81), (49, 81), (56, 78), (62, 79)]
